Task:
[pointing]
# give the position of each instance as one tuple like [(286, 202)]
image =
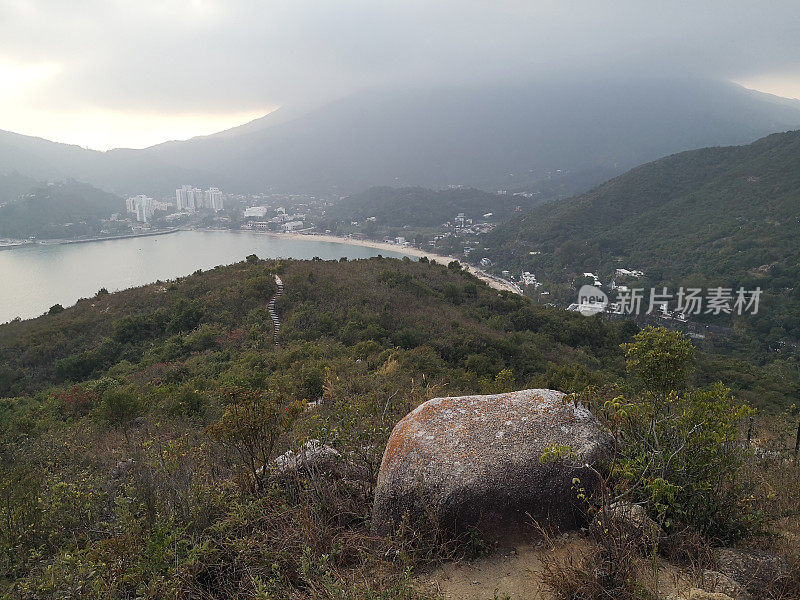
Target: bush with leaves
[(252, 424), (681, 458), (678, 449)]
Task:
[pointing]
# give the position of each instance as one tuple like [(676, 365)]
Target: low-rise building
[(257, 212), (628, 273)]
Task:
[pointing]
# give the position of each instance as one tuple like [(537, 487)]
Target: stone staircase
[(276, 322)]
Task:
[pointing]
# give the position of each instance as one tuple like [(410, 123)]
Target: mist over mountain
[(120, 171), (488, 136)]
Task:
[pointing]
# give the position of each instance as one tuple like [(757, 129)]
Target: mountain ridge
[(491, 137)]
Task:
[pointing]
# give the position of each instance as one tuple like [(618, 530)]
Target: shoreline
[(493, 282), (412, 251), (62, 242)]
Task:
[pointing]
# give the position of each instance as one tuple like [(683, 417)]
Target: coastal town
[(306, 216), (191, 207)]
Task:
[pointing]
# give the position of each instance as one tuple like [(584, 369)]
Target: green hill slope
[(715, 216), (420, 207), (62, 210), (13, 185), (129, 422)]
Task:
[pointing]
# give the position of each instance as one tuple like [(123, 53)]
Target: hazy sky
[(108, 73)]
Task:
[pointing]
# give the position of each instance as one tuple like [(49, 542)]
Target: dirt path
[(516, 573)]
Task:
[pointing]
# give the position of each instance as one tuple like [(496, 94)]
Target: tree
[(251, 425), (660, 359)]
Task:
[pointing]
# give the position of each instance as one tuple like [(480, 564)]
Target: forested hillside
[(420, 207), (12, 185), (712, 217), (61, 210)]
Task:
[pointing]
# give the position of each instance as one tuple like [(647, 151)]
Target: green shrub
[(683, 460), (659, 358), (251, 426), (679, 451), (120, 405)]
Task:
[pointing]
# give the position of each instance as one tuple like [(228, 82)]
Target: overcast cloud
[(206, 62)]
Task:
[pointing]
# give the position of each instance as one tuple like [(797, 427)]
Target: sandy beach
[(494, 282)]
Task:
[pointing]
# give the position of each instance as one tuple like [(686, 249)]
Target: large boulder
[(476, 461)]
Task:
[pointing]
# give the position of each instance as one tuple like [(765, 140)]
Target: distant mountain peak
[(491, 136)]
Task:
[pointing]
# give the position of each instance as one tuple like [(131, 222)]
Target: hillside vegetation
[(13, 185), (713, 217), (133, 425), (420, 207), (62, 210), (151, 374)]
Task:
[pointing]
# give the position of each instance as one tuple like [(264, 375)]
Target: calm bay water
[(34, 278)]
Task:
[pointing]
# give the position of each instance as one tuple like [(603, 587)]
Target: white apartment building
[(190, 199), (213, 199), (182, 199), (143, 206)]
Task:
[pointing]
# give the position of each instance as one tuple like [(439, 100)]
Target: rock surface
[(757, 571), (311, 455), (632, 521), (476, 461), (719, 582)]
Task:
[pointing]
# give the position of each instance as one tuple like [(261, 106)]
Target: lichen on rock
[(475, 461)]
